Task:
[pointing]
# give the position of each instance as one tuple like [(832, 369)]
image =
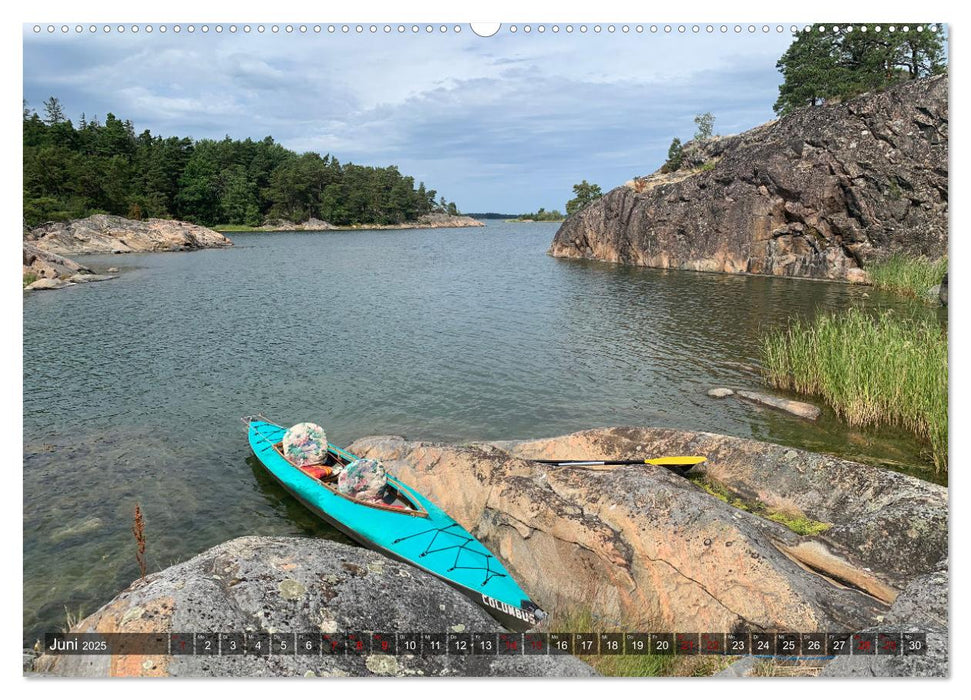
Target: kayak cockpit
[(394, 497)]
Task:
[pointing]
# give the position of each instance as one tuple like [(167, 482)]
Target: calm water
[(133, 388)]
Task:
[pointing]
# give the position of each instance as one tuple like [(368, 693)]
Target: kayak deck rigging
[(466, 541)]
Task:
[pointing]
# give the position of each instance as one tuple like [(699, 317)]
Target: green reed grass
[(908, 275), (883, 370)]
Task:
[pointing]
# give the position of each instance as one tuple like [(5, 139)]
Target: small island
[(540, 215)]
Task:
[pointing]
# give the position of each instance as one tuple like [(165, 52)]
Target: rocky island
[(104, 233), (832, 545), (822, 193), (46, 247), (432, 220)]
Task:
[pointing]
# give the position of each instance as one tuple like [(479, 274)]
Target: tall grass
[(882, 370), (633, 665), (908, 275)]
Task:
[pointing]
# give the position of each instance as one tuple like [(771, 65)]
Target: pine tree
[(53, 112), (586, 194), (706, 125), (826, 62)]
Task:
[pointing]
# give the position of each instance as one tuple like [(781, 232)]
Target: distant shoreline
[(358, 227)]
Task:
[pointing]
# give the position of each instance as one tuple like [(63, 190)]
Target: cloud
[(505, 123)]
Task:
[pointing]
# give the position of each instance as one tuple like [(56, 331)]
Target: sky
[(507, 123)]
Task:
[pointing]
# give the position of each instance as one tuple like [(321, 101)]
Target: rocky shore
[(821, 193), (632, 547), (46, 265), (437, 220), (103, 233), (288, 584)]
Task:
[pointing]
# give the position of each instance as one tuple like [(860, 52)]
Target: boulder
[(104, 233), (46, 265), (720, 393), (313, 224), (797, 408), (642, 547), (823, 192), (285, 584), (440, 220), (921, 607)]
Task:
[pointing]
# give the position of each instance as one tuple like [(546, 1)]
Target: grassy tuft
[(882, 370), (799, 524), (772, 668), (795, 521), (72, 619), (29, 278), (908, 275), (630, 665)]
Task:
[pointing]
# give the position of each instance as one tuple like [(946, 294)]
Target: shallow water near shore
[(133, 388)]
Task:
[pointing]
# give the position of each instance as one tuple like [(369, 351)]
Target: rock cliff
[(103, 233), (821, 193)]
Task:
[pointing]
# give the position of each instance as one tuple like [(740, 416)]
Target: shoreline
[(370, 227), (427, 221), (534, 505)]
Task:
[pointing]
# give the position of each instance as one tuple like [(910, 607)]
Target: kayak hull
[(459, 560)]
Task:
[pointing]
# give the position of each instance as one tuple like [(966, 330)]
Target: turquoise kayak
[(405, 526)]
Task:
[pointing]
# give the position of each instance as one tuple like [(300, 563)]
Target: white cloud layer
[(507, 123)]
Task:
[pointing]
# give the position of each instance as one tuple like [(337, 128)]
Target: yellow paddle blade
[(684, 461)]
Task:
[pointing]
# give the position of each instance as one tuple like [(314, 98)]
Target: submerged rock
[(104, 233), (82, 279), (45, 283), (287, 584), (823, 193), (79, 529), (720, 393), (797, 408)]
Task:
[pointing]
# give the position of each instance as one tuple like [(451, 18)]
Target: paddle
[(678, 464)]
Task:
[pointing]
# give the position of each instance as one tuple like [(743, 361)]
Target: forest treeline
[(105, 167)]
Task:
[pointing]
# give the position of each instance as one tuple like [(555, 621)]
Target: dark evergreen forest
[(72, 171)]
